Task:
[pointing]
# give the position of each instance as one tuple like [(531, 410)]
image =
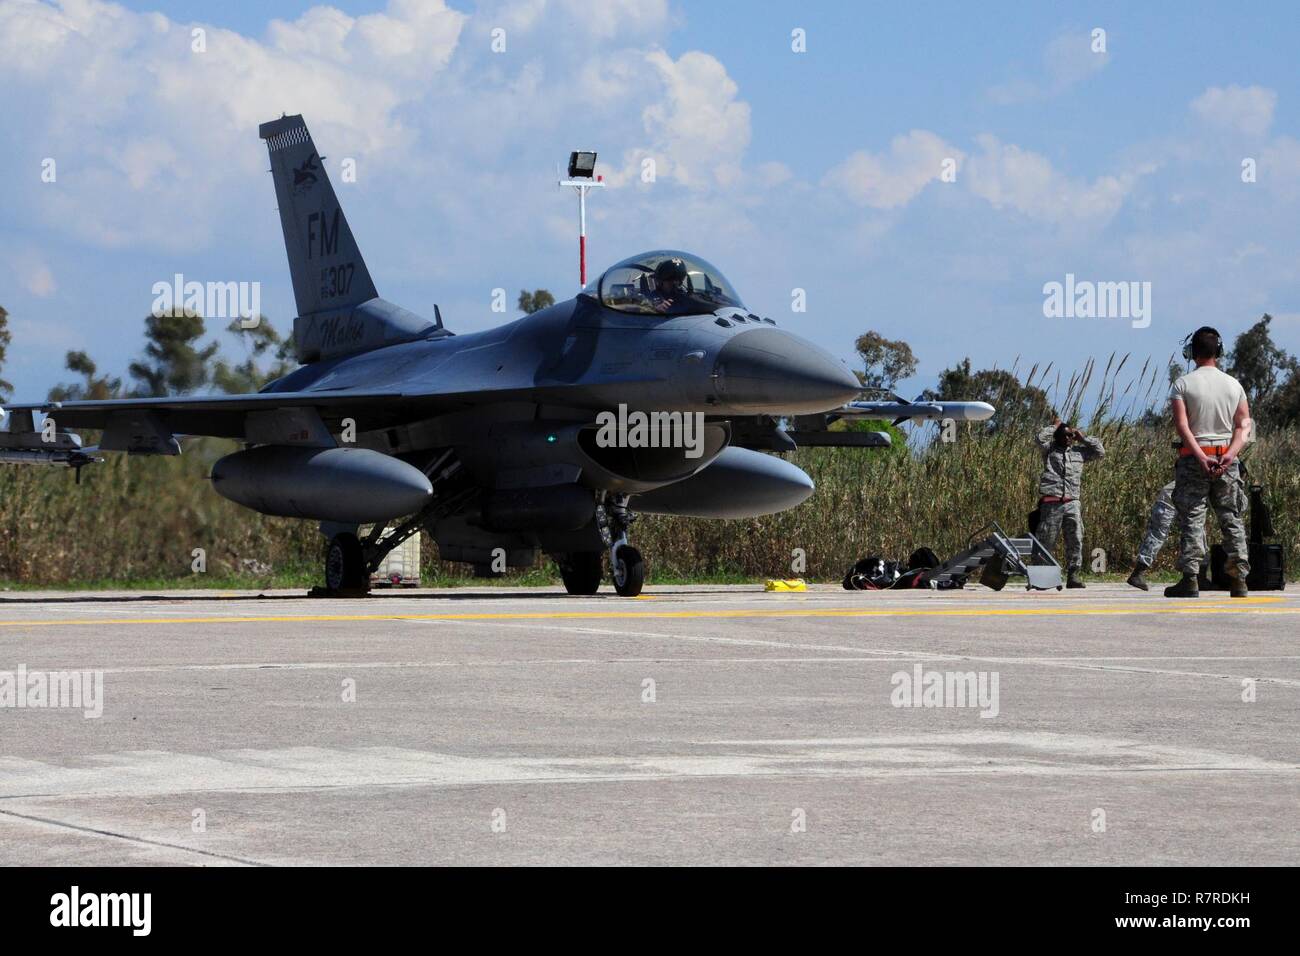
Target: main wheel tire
[(581, 571), (345, 565), (629, 571)]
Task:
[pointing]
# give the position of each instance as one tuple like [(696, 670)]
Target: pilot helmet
[(670, 272)]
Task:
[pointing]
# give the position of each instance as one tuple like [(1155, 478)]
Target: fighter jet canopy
[(666, 282)]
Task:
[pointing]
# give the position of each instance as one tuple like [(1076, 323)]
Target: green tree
[(173, 363), (5, 387), (885, 362), (92, 387), (1258, 363), (1283, 409), (260, 342), (1014, 400), (530, 302)]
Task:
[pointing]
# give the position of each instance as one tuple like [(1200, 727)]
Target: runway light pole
[(582, 177)]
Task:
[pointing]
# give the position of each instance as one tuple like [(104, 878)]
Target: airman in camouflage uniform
[(1161, 519), (1159, 523), (1065, 450), (1226, 494), (1212, 418)]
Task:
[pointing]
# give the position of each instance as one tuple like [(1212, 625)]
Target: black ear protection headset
[(1218, 343)]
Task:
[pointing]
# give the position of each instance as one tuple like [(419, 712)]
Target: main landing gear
[(350, 560), (345, 564), (581, 571)]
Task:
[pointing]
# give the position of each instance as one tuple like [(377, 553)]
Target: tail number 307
[(336, 280)]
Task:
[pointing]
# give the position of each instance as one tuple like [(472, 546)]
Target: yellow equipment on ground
[(789, 584)]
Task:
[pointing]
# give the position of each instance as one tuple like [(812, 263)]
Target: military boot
[(1238, 588), (1138, 578), (1072, 579), (1186, 588)]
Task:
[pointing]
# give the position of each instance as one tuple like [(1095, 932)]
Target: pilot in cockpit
[(665, 282), (670, 285)]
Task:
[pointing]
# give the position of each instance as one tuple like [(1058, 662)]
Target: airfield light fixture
[(582, 163), (582, 177)]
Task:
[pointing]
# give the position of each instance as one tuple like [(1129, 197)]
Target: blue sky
[(816, 170)]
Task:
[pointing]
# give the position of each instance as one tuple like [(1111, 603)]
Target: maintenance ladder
[(1001, 556)]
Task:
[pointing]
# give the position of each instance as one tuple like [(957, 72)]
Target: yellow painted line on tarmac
[(1263, 604)]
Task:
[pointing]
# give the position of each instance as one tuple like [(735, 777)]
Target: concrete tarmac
[(695, 725)]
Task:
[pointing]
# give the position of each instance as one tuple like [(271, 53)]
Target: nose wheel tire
[(581, 571), (345, 566), (629, 571)]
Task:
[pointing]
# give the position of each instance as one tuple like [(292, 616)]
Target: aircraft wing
[(201, 415), (151, 425)]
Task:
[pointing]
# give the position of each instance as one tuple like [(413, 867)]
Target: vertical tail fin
[(324, 261)]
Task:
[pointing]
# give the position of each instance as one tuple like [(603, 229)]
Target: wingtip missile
[(969, 411), (899, 411)]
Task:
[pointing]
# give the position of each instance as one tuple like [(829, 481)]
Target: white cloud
[(608, 18), (34, 275), (142, 126), (414, 36), (605, 20), (1245, 109), (698, 126), (773, 174), (144, 160), (1008, 176), (894, 178), (1248, 111), (1068, 60), (320, 32), (40, 282)]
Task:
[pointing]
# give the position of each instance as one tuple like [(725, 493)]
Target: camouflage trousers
[(1159, 523), (1068, 517), (1226, 494)]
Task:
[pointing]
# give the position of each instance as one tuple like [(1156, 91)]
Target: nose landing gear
[(629, 570), (627, 566)]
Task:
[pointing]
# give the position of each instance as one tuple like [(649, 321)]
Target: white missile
[(958, 411)]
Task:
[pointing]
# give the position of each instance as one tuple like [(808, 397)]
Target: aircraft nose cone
[(774, 371)]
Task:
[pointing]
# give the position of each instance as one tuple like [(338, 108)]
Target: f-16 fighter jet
[(653, 390)]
